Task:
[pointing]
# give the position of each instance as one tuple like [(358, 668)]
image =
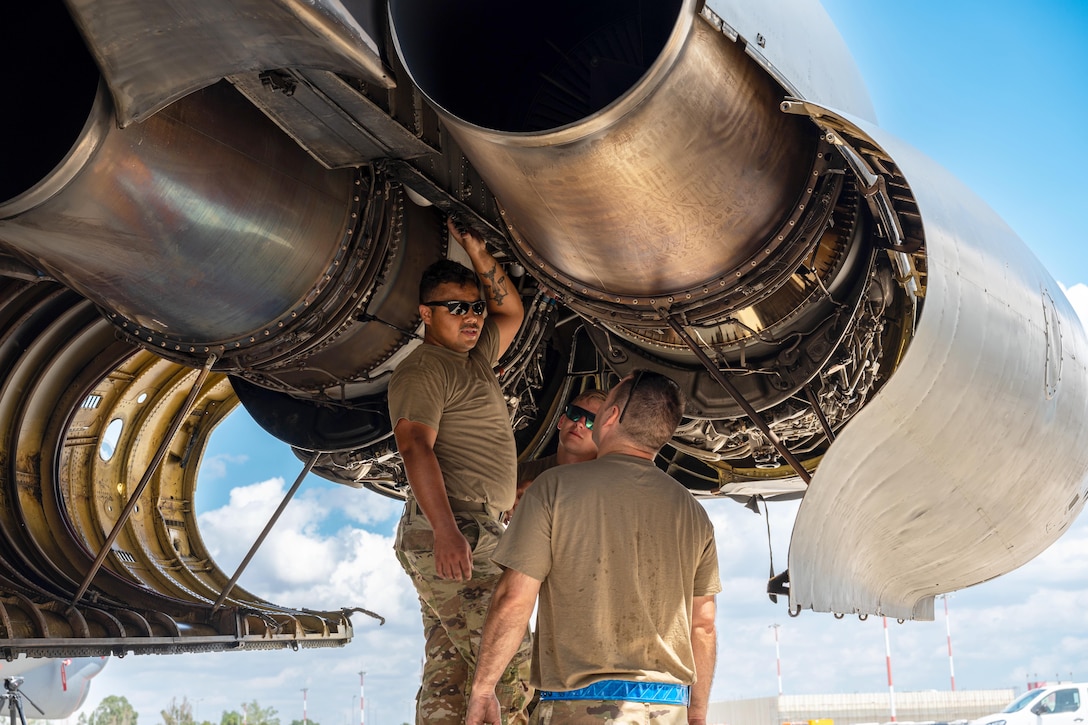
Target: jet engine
[(650, 180), (671, 178), (233, 202)]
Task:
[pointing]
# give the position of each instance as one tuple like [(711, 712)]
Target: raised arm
[(503, 301)]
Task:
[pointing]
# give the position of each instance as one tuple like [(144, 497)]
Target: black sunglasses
[(460, 307), (577, 412)]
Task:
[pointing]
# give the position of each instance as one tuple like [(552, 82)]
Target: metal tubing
[(145, 479), (267, 529), (815, 403), (735, 394)]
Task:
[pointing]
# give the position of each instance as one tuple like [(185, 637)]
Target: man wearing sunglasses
[(453, 432), (575, 439), (624, 561)]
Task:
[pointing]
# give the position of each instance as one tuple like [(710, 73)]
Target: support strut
[(751, 412), (267, 529)]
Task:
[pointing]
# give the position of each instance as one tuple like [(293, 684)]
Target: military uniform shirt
[(621, 550), (458, 395)]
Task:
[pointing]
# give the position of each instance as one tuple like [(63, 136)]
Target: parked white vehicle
[(1063, 704)]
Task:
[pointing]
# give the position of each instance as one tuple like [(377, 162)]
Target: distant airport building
[(861, 709)]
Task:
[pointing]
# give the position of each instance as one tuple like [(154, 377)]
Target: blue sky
[(991, 90)]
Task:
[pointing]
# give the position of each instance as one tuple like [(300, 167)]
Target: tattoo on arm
[(495, 283)]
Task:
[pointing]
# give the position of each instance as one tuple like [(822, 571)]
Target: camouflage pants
[(453, 621), (607, 712)]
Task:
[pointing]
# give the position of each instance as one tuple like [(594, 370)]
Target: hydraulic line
[(751, 412)]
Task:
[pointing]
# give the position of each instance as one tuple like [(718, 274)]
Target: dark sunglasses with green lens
[(460, 307), (577, 412)]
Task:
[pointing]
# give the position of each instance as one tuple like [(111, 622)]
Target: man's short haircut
[(441, 272), (587, 395), (651, 417)]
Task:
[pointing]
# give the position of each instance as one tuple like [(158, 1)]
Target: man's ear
[(425, 312), (611, 413)]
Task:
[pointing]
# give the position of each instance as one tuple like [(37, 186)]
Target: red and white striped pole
[(948, 631), (361, 711), (888, 658), (777, 658), (304, 689)]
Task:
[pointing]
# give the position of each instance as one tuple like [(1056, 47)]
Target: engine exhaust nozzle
[(637, 151)]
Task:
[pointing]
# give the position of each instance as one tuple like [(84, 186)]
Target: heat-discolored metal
[(638, 138)]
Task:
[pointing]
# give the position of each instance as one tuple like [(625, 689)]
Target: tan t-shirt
[(458, 395), (621, 550)]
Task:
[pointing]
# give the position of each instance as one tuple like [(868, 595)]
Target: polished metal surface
[(152, 54), (693, 160), (971, 459), (806, 54), (268, 257), (135, 217)]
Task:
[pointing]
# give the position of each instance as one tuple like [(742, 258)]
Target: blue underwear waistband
[(659, 692)]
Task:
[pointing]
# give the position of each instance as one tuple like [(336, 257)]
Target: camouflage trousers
[(453, 621), (607, 712)]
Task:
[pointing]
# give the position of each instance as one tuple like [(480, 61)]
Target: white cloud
[(215, 467), (357, 506), (1078, 297), (304, 564)]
